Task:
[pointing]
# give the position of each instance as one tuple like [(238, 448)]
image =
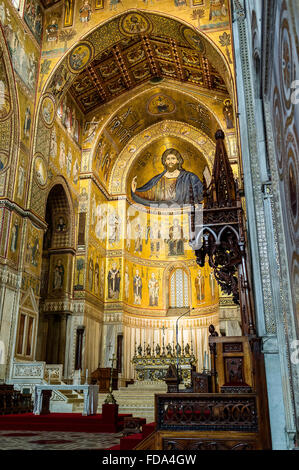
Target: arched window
[(179, 289)]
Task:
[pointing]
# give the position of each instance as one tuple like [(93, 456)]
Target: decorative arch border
[(163, 86), (118, 19), (41, 131), (10, 123), (121, 168)]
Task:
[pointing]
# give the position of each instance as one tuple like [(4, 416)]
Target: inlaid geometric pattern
[(135, 60), (55, 440)]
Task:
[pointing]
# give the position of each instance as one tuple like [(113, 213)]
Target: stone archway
[(68, 68), (56, 276)]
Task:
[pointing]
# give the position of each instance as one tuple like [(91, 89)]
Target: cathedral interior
[(149, 210)]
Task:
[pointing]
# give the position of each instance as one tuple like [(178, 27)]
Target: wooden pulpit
[(101, 377)]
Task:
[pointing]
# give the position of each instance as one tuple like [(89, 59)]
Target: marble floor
[(55, 440)]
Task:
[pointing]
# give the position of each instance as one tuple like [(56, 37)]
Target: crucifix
[(109, 347), (163, 345), (110, 398)]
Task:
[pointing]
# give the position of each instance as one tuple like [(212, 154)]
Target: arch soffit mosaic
[(92, 44), (109, 33), (165, 88)]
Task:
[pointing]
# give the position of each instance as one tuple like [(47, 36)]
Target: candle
[(204, 361)]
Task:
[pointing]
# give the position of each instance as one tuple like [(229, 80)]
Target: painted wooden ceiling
[(49, 3), (138, 59)]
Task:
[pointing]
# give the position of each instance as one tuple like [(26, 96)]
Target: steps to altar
[(138, 399)]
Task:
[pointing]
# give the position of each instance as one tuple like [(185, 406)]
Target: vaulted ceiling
[(135, 60)]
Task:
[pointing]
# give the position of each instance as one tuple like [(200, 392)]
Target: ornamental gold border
[(51, 97), (90, 46)]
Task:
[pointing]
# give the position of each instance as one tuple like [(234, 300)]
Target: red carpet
[(74, 422), (129, 442)]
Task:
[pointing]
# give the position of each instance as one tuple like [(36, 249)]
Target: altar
[(90, 396), (151, 364)]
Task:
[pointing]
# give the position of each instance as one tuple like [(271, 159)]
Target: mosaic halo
[(48, 110), (134, 23), (80, 57), (40, 171)]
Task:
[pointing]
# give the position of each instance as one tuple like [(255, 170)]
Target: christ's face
[(171, 162)]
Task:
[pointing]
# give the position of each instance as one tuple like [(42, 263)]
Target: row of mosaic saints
[(174, 184), (96, 282)]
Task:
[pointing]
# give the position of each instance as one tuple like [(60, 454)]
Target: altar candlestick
[(86, 379)]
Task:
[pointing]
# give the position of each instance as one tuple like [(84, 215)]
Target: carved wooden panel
[(208, 444), (232, 347)]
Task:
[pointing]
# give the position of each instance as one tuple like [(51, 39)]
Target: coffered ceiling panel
[(136, 60)]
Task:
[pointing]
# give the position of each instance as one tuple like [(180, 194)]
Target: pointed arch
[(9, 121)]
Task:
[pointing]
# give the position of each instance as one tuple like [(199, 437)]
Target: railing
[(206, 412), (12, 401)]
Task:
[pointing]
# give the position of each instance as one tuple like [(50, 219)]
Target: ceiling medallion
[(48, 110), (161, 104), (80, 56), (134, 23)]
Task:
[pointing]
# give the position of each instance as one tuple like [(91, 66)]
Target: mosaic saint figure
[(102, 283), (154, 235), (90, 274), (138, 238), (14, 237), (137, 288), (212, 285), (128, 233), (228, 114), (176, 239), (62, 158), (58, 275), (69, 161), (83, 200), (153, 289), (113, 4), (53, 144), (96, 277), (21, 181), (85, 11), (200, 286), (127, 283), (217, 9), (180, 3), (35, 251), (76, 172), (113, 282), (113, 227), (27, 123), (173, 185), (61, 225), (52, 30)]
